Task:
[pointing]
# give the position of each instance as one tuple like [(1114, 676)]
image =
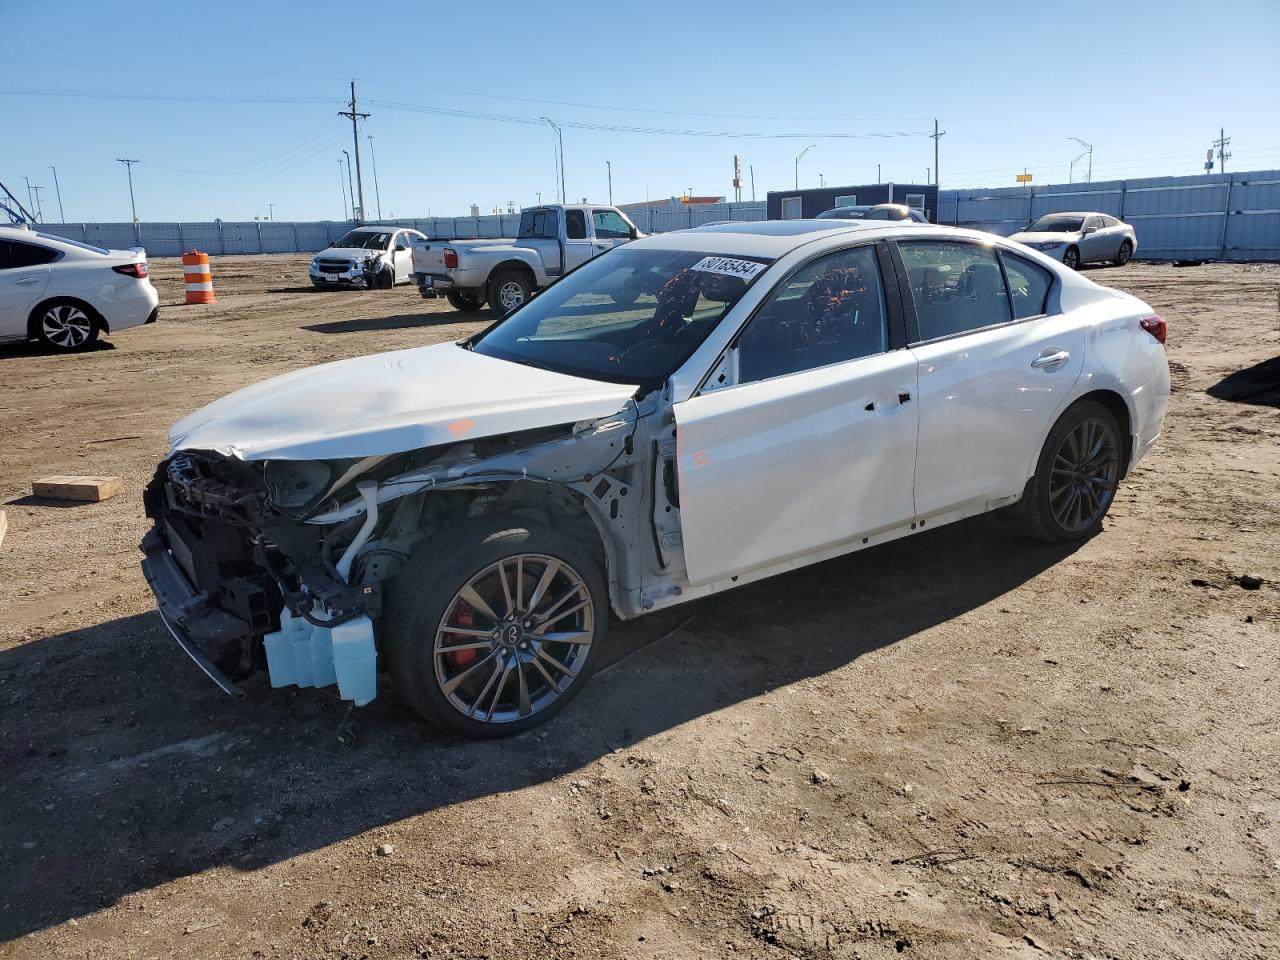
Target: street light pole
[(376, 193), (62, 216), (609, 164), (343, 184), (39, 205), (560, 140), (129, 166), (351, 190), (798, 159), (1088, 147), (271, 211)]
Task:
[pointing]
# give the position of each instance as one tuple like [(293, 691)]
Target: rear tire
[(468, 301), (65, 326), (500, 677), (508, 290), (1126, 251), (1071, 259), (1076, 476), (386, 278)]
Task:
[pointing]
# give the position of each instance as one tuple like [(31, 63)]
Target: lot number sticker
[(729, 267)]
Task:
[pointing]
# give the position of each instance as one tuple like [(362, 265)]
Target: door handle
[(872, 405), (1051, 361), (26, 280)]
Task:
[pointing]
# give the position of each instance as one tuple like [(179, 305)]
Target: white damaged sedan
[(685, 414)]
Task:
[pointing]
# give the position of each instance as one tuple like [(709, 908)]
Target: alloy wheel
[(510, 295), (514, 638), (1084, 475), (1071, 259), (66, 326)]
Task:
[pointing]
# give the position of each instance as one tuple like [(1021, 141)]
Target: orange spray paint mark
[(460, 428)]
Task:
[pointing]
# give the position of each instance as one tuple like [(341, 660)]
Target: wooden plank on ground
[(91, 489)]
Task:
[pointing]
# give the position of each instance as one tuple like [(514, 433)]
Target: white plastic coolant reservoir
[(306, 655)]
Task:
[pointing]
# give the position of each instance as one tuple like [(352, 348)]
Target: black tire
[(467, 301), (1126, 251), (1071, 259), (504, 295), (386, 278), (65, 326), (1069, 473), (426, 598)]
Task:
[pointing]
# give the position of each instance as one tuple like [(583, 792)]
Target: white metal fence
[(1220, 216)]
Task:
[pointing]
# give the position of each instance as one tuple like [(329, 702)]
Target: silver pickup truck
[(505, 273)]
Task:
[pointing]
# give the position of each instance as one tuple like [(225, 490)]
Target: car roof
[(755, 238), (1074, 213)]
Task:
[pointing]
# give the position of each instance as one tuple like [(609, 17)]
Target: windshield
[(844, 213), (628, 316), (368, 239), (1057, 225)]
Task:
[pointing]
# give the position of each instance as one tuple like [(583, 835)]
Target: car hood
[(1039, 237), (349, 253), (390, 403)]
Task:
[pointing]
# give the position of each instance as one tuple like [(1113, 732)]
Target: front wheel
[(495, 630), (1126, 251), (1076, 476), (507, 291), (1071, 259)]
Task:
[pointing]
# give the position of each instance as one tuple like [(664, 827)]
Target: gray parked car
[(1079, 238), (878, 211)]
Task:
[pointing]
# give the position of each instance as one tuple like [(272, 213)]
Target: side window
[(610, 225), (26, 255), (956, 287), (1110, 222), (1028, 285), (829, 311), (575, 224), (1095, 222)]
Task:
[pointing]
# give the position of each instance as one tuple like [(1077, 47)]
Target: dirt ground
[(963, 744)]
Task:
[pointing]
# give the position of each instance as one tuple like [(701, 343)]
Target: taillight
[(1155, 326), (138, 270), (450, 259)]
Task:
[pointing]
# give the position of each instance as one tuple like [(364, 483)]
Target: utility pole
[(377, 195), (342, 182), (936, 136), (351, 191), (271, 211), (877, 173), (39, 206), (31, 200), (609, 164), (559, 154), (355, 116), (1221, 143), (129, 166), (62, 216), (752, 170)]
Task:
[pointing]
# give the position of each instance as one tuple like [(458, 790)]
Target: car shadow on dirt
[(399, 321), (125, 768), (1259, 384), (21, 350)]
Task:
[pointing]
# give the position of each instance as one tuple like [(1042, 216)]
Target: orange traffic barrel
[(195, 272)]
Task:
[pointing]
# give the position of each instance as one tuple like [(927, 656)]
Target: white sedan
[(777, 394), (65, 294), (367, 258)]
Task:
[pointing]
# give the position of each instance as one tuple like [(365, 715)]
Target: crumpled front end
[(242, 585)]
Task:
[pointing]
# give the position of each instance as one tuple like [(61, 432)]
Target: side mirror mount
[(333, 243), (401, 248), (633, 233)]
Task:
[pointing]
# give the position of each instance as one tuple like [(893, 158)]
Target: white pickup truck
[(505, 273)]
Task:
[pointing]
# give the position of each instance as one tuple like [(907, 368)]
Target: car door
[(578, 245), (610, 230), (24, 276), (1096, 245), (402, 254), (994, 368), (813, 443)]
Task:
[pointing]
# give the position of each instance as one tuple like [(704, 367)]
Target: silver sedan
[(1080, 238)]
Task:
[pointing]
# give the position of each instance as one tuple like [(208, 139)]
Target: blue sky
[(232, 106)]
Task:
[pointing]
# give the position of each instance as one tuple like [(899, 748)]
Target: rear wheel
[(1071, 259), (507, 291), (65, 326), (1126, 251), (465, 300), (495, 630), (1076, 476)]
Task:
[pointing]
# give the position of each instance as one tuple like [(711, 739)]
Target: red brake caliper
[(463, 616)]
